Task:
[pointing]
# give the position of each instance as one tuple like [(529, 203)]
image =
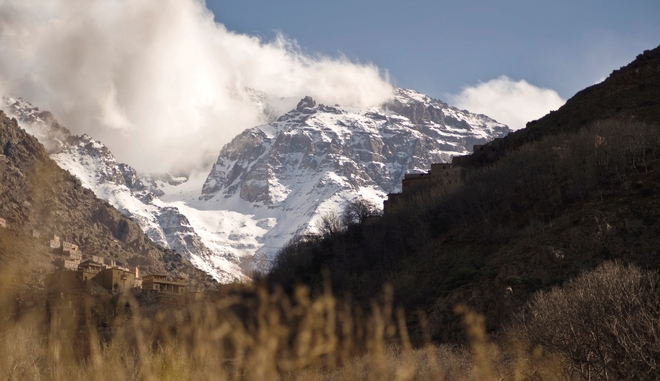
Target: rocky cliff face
[(365, 148), (35, 193), (273, 181), (315, 158), (134, 195)]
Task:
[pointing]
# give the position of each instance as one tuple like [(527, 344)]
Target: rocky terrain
[(35, 193), (271, 182), (316, 158)]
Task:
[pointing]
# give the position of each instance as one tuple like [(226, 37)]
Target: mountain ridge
[(615, 98), (36, 193), (284, 175)]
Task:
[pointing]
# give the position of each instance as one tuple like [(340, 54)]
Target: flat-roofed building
[(412, 180), (391, 201), (55, 242), (447, 173), (68, 247), (115, 279), (89, 269), (3, 223), (67, 263), (161, 284)]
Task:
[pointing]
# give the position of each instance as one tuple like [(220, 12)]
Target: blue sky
[(439, 47), (153, 76)]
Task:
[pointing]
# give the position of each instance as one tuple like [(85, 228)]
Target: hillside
[(36, 194), (631, 93), (566, 199)]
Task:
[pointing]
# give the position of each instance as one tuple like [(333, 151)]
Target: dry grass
[(252, 335)]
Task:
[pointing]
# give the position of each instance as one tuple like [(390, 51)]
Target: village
[(72, 266), (448, 175), (113, 276)]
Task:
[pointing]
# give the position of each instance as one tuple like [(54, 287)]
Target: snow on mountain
[(137, 196), (273, 181), (316, 158)]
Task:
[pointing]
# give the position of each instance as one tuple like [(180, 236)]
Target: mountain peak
[(276, 180), (315, 159), (306, 105)]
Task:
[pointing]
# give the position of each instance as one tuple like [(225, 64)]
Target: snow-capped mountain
[(273, 181), (136, 196), (316, 158), (371, 148)]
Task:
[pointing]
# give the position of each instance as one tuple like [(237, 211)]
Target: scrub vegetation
[(600, 326)]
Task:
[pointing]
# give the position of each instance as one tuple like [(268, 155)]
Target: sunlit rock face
[(373, 148), (271, 182)]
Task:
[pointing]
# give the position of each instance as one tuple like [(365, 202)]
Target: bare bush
[(329, 225), (606, 323), (358, 211)]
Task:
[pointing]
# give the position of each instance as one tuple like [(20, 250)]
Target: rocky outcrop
[(371, 148), (35, 193)]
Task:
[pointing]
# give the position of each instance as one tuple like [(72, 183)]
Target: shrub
[(606, 323)]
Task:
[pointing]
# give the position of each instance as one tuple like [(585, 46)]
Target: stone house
[(115, 279), (64, 247), (3, 223), (412, 180), (112, 278), (160, 284), (447, 174), (68, 247), (67, 263), (440, 173), (55, 242), (89, 269), (388, 204)]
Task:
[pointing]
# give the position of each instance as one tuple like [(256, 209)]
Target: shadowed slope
[(36, 194)]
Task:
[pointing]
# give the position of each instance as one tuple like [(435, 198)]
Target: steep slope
[(530, 216), (271, 182), (134, 195), (631, 93), (37, 194)]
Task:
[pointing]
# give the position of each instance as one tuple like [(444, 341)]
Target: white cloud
[(513, 103), (158, 81)]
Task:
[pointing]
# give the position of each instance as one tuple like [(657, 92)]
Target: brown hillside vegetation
[(572, 190), (533, 220), (37, 194), (600, 326), (631, 93)]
